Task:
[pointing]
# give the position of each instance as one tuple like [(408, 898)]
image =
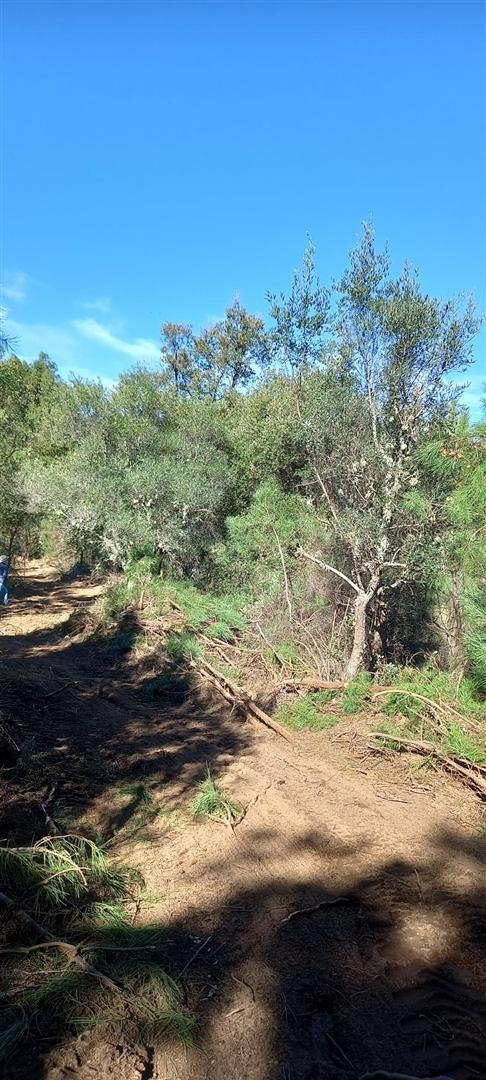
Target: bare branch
[(326, 494), (330, 569), (284, 568)]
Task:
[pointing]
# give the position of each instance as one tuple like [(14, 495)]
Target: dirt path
[(343, 917)]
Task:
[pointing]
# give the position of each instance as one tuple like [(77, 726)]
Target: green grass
[(459, 743), (218, 616), (435, 685), (70, 886), (305, 714), (212, 802), (182, 647), (287, 652), (353, 698)]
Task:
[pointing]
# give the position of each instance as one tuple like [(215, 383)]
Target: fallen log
[(475, 779), (314, 684), (237, 696), (328, 684)]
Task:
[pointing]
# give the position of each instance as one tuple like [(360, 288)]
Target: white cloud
[(102, 304), (29, 339), (141, 349), (14, 287)]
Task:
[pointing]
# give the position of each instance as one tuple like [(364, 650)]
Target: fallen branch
[(315, 907), (214, 643), (53, 829), (71, 951), (285, 575), (239, 697), (328, 684), (59, 689), (314, 684), (427, 749), (432, 705)]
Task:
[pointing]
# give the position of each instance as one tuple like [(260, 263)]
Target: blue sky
[(161, 158)]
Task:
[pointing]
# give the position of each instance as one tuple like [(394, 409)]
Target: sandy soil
[(342, 920)]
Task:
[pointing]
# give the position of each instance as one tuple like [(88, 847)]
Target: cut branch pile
[(239, 698)]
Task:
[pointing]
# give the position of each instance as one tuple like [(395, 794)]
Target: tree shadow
[(290, 978), (388, 975), (97, 715)]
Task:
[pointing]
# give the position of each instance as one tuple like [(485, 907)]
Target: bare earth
[(342, 920)]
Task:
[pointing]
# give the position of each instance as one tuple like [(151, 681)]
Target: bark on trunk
[(355, 661)]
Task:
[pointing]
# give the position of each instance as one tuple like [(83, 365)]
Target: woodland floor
[(385, 971)]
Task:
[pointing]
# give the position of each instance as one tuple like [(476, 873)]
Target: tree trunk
[(355, 661)]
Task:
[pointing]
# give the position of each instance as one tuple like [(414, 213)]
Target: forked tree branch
[(330, 569)]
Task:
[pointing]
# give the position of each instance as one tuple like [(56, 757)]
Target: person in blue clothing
[(3, 580)]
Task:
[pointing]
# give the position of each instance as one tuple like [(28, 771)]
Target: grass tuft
[(458, 743), (214, 803), (182, 647), (69, 884)]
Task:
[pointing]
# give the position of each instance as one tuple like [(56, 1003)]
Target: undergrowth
[(140, 585), (356, 693), (183, 646), (436, 686), (83, 905), (306, 713), (433, 707)]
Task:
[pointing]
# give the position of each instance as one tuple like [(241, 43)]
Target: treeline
[(316, 465)]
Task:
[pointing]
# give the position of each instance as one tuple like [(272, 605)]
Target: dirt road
[(341, 921)]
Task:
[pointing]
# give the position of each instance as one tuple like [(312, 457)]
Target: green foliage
[(354, 696), (435, 686), (214, 803), (219, 616), (270, 530), (270, 474), (57, 872), (475, 647), (432, 705), (305, 714), (182, 647), (287, 651), (459, 743)]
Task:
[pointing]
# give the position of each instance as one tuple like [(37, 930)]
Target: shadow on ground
[(288, 980)]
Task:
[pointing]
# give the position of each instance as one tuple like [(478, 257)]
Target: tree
[(22, 387), (223, 358), (302, 320), (453, 465), (382, 386)]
